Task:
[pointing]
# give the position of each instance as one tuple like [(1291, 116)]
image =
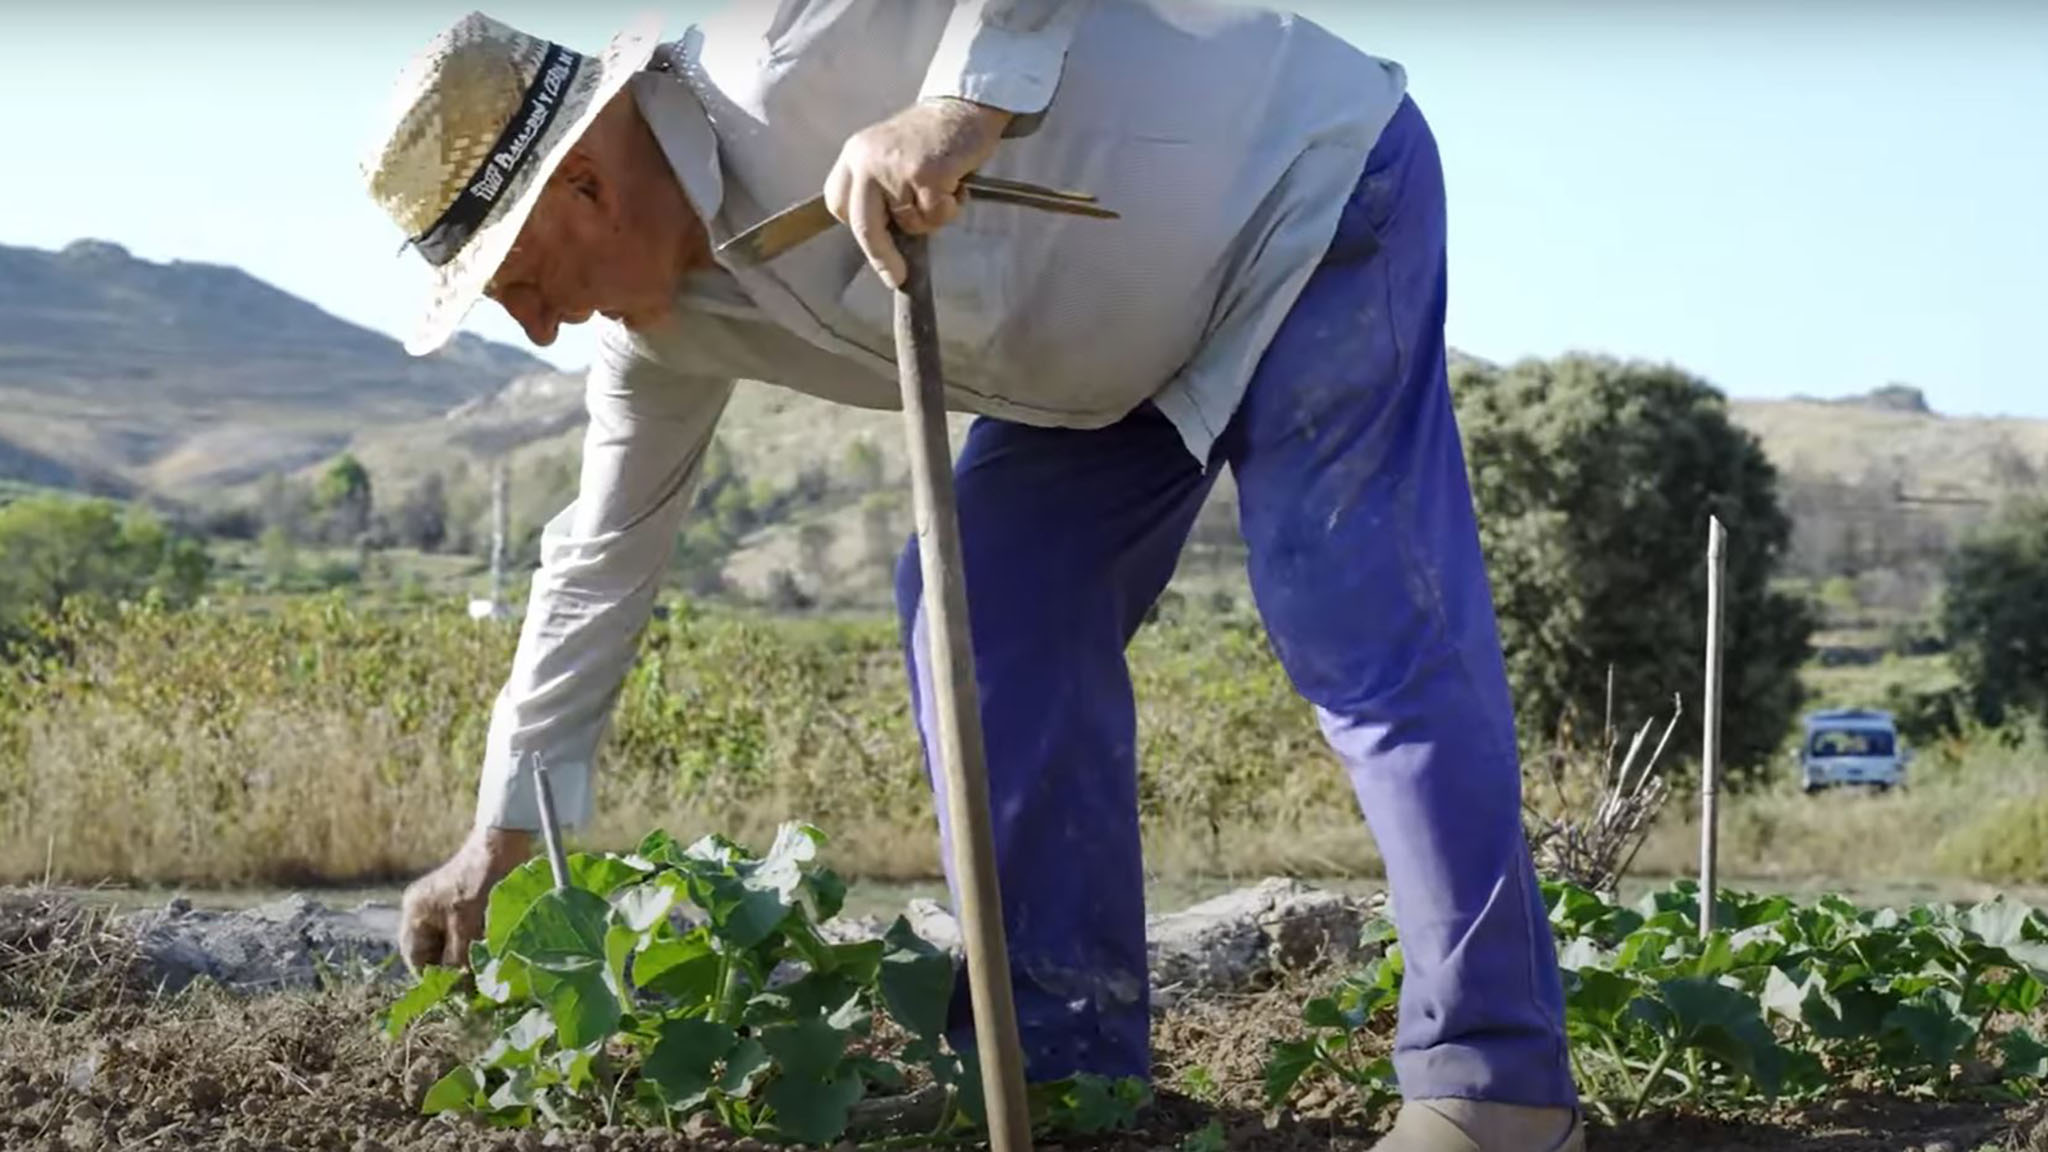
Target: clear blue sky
[(1809, 196)]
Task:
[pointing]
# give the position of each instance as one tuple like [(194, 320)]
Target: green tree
[(1594, 479), (344, 496), (60, 550), (1995, 613), (421, 520)]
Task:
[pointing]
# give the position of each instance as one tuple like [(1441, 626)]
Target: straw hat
[(479, 119)]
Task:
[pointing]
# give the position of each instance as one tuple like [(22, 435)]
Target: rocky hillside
[(1893, 434), (195, 381), (123, 374), (1883, 468)]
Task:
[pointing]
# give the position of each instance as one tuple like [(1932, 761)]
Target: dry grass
[(327, 743), (60, 959), (1945, 824), (331, 744)]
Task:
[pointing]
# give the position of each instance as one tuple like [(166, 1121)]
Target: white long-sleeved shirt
[(1227, 137)]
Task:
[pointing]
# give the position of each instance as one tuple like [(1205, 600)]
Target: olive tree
[(1995, 613), (1594, 479)]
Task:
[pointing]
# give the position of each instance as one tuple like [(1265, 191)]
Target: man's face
[(577, 256)]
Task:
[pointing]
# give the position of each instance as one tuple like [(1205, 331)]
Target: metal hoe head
[(792, 226)]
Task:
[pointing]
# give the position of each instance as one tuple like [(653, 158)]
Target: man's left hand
[(908, 169)]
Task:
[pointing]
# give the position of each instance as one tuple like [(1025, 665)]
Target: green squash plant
[(1782, 1000), (677, 981)]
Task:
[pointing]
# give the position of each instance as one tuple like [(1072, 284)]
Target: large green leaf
[(880, 1072), (619, 943), (1716, 958), (517, 1045), (1783, 995), (602, 874), (503, 980), (1286, 1062), (684, 970), (576, 995), (1584, 952), (573, 1066), (1597, 998), (1322, 1012), (1938, 1033), (642, 906), (1720, 1021), (515, 1093), (742, 914), (1999, 922), (658, 847), (684, 1059), (1574, 910), (860, 961), (510, 899), (1855, 1012), (1364, 996), (809, 1049), (2013, 927), (560, 926), (916, 981), (455, 1092), (435, 983), (813, 1111), (1645, 951), (2023, 1055), (744, 1068), (2021, 992), (821, 994), (828, 894), (1759, 945)]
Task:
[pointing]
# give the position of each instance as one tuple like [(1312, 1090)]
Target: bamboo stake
[(1710, 753), (957, 703)]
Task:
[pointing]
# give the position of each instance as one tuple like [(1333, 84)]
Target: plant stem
[(1650, 1081), (1620, 1062), (728, 988)]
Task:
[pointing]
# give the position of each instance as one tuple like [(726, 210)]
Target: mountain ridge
[(193, 381), (123, 373)]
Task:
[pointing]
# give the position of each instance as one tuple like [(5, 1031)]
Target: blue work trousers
[(1365, 565)]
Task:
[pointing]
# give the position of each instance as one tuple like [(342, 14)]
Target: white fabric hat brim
[(459, 284)]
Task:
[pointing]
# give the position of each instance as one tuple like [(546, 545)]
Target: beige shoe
[(1479, 1126)]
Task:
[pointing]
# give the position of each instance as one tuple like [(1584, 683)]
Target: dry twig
[(1602, 810)]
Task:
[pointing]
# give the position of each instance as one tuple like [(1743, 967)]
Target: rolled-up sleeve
[(1007, 54), (601, 563)]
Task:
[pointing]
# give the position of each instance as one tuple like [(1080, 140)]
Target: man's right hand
[(443, 911)]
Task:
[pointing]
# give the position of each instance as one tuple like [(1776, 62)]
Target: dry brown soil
[(88, 1061)]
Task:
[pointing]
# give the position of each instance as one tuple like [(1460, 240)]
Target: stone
[(1239, 940), (1243, 939), (931, 920), (293, 943)]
